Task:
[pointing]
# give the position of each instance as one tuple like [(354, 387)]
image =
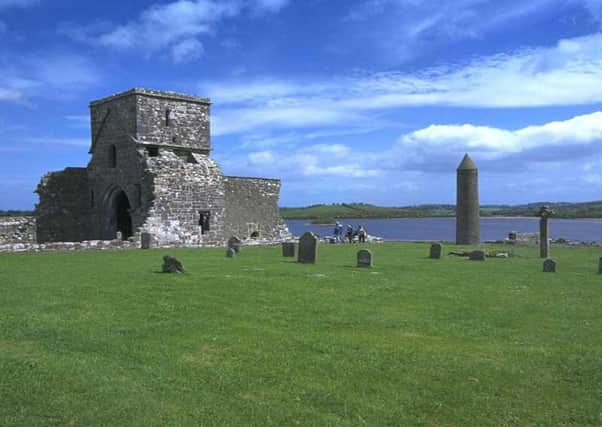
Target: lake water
[(585, 230)]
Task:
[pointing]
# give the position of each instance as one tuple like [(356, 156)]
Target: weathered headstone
[(230, 252), (145, 240), (477, 255), (549, 266), (172, 265), (288, 249), (600, 265), (308, 248), (436, 250), (364, 258), (544, 231), (234, 243), (119, 235)]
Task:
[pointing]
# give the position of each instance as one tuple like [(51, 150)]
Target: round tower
[(467, 203)]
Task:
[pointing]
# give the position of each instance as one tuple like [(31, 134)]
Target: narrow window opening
[(190, 159), (113, 156), (91, 198), (168, 117), (152, 151), (204, 221)]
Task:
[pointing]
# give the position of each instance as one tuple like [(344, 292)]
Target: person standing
[(350, 233), (362, 233), (337, 231)]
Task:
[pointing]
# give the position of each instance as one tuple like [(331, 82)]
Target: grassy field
[(103, 338)]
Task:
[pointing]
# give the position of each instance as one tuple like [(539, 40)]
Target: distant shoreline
[(309, 220), (327, 214)]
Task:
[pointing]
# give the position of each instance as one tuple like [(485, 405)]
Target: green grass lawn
[(103, 338)]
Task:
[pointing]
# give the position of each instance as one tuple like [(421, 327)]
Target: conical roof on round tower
[(467, 163)]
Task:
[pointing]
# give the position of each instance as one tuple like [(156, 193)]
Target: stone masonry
[(151, 172), (17, 229), (467, 203)]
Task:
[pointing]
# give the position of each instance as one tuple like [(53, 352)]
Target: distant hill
[(15, 213), (328, 213)]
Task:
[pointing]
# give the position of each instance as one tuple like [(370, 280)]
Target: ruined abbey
[(151, 172)]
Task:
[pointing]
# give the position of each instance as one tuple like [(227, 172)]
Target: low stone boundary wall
[(17, 229), (68, 246), (110, 244)]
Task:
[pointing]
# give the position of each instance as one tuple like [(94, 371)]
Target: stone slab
[(364, 258)]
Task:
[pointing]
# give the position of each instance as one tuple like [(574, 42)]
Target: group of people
[(349, 234)]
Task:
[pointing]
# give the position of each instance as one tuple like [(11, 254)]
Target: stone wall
[(184, 188), (175, 120), (63, 212), (150, 171), (126, 173), (68, 246), (252, 208), (17, 229)]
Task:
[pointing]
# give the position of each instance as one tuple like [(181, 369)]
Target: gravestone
[(230, 252), (288, 249), (172, 265), (544, 231), (477, 255), (600, 265), (119, 235), (549, 266), (234, 243), (364, 258), (308, 248), (436, 250), (145, 240)]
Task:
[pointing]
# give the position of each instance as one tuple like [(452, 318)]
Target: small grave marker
[(171, 265), (288, 249), (308, 248), (436, 251), (549, 266), (477, 255), (234, 243), (145, 240), (364, 258)]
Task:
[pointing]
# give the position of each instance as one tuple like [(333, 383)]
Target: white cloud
[(321, 160), (568, 73), (174, 28), (493, 142), (35, 74), (78, 142), (187, 50), (268, 5), (334, 150), (542, 150), (17, 3)]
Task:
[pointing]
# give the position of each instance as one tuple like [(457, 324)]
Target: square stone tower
[(150, 171)]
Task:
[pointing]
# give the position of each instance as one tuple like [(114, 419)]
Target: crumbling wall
[(170, 119), (63, 212), (252, 208), (17, 229), (184, 186), (116, 165)]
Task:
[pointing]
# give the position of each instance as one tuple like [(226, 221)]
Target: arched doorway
[(121, 209)]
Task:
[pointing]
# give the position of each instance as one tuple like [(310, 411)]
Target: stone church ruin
[(151, 172)]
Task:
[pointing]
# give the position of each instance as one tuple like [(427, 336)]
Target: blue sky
[(344, 100)]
